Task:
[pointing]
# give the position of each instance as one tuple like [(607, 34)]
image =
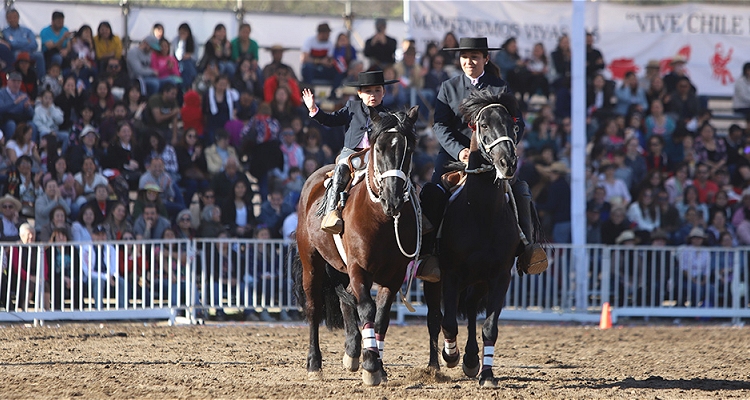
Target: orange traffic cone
[(605, 321)]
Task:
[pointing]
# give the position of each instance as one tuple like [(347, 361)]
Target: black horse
[(480, 236), (381, 226)]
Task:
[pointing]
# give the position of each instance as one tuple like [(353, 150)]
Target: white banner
[(710, 36)]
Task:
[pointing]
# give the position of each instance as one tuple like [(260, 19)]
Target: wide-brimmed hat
[(653, 64), (153, 42), (152, 187), (475, 43), (278, 47), (625, 236), (373, 78), (12, 200), (679, 58), (697, 232)]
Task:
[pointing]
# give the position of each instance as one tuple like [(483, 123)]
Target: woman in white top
[(617, 190), (237, 212), (87, 180), (21, 144), (644, 213)]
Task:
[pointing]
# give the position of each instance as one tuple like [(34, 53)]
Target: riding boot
[(433, 199), (532, 259), (332, 222)]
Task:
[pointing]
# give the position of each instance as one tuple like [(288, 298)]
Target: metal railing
[(170, 278)]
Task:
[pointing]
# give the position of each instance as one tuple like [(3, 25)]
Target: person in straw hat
[(10, 220), (355, 116), (454, 135)]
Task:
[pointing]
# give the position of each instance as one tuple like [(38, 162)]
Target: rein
[(486, 148)]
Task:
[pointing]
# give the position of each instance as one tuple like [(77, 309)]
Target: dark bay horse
[(380, 234), (480, 236)]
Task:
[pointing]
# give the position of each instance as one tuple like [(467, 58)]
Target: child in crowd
[(52, 81), (48, 117)]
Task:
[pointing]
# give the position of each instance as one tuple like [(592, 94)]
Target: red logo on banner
[(619, 67), (665, 65), (719, 64)]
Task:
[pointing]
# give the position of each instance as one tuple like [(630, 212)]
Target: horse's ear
[(374, 115), (413, 114)]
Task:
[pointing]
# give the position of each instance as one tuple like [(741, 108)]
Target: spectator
[(593, 225), (218, 154), (24, 185), (15, 106), (139, 64), (10, 219), (630, 96), (86, 148), (164, 112), (282, 107), (381, 49), (87, 180), (273, 211), (210, 226), (156, 174), (741, 97), (314, 150), (50, 199), (65, 181), (70, 102), (451, 58), (561, 61), (207, 78), (83, 48), (658, 123), (218, 107), (669, 216), (117, 224), (122, 155), (192, 113), (237, 211), (58, 220), (55, 38), (435, 77), (192, 164), (635, 160), (218, 49), (52, 81), (537, 66), (344, 54), (223, 182), (22, 39), (317, 57), (151, 193), (48, 118), (184, 51), (21, 144), (104, 275), (718, 226), (23, 262), (615, 225), (683, 104), (651, 72), (617, 190), (102, 101), (165, 64), (243, 46), (156, 147), (282, 79), (695, 265), (706, 188), (65, 271), (158, 30), (249, 78), (277, 53), (656, 91), (247, 107), (396, 96), (710, 150), (83, 228), (644, 213), (293, 155), (656, 159), (109, 125), (183, 229), (101, 203), (107, 45), (689, 200), (594, 59), (678, 72), (558, 206), (512, 66), (150, 225)]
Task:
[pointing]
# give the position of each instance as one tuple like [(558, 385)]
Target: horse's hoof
[(371, 378), (351, 364), (488, 383), (314, 375), (470, 372), (451, 361), (434, 367)]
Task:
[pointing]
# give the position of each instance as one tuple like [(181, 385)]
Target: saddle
[(357, 165)]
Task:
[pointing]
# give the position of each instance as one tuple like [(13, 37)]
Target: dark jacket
[(451, 131), (354, 116)]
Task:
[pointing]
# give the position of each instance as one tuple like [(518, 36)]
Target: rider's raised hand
[(309, 98)]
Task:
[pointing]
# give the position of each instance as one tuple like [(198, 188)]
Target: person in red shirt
[(707, 188), (282, 78)]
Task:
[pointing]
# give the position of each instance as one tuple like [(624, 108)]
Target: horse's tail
[(332, 286)]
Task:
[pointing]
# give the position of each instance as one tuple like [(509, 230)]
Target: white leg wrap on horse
[(368, 338), (450, 347), (489, 352), (381, 345)]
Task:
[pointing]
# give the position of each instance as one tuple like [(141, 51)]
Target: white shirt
[(475, 81), (241, 218)]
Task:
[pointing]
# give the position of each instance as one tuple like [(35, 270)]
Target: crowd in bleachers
[(215, 144)]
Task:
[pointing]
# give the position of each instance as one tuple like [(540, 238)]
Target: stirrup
[(428, 269), (533, 260), (332, 223)]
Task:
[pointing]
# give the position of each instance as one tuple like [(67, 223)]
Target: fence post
[(125, 8), (735, 286)]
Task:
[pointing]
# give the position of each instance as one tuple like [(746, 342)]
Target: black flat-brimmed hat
[(475, 43), (373, 78)]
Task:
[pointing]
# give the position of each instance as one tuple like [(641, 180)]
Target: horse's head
[(495, 131), (393, 140)]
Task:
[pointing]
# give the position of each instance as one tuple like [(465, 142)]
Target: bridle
[(485, 149)]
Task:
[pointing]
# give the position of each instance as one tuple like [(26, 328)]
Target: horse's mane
[(479, 99), (398, 120)]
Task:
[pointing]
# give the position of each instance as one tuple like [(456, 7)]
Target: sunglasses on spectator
[(190, 136), (185, 219), (8, 206)]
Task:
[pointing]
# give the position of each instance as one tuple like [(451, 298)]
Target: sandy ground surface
[(252, 360)]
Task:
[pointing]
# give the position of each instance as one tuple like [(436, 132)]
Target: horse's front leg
[(312, 285), (432, 295), (359, 284), (353, 341), (496, 297), (471, 352), (383, 301), (451, 354)]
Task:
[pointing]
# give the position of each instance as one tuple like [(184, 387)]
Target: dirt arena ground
[(251, 360)]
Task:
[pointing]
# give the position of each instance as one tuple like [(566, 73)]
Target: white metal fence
[(164, 279)]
